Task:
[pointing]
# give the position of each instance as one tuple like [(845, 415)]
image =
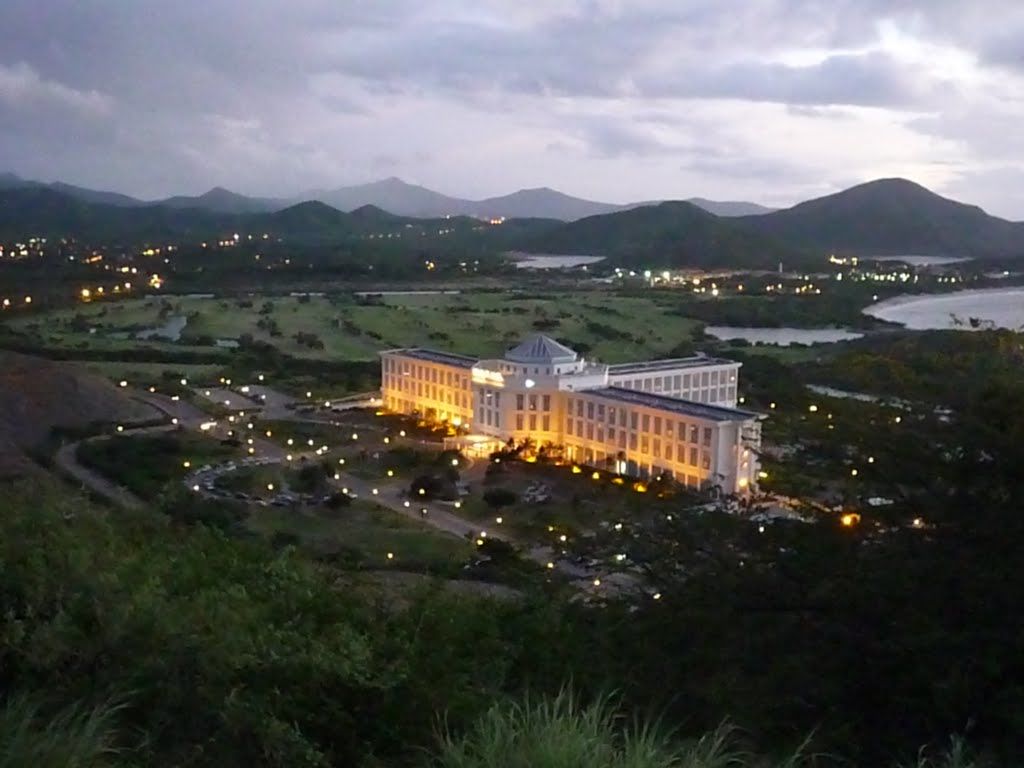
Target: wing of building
[(663, 417)]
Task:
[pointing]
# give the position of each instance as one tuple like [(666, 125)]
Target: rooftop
[(667, 365), (541, 349), (673, 404), (433, 356)]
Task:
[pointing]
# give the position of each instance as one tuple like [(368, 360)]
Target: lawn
[(362, 534), (145, 464), (610, 327)]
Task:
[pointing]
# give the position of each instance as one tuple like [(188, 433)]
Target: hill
[(673, 234), (224, 201), (730, 207), (891, 217)]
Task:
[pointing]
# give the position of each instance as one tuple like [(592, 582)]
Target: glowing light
[(812, 408), (597, 582), (596, 476), (186, 464), (122, 383), (850, 519), (576, 470), (391, 555), (499, 520), (270, 486), (120, 428)]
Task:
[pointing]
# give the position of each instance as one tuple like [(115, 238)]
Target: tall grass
[(956, 755), (563, 733), (74, 737)]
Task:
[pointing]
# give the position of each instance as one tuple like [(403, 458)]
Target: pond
[(782, 337), (962, 310), (169, 331), (551, 261)]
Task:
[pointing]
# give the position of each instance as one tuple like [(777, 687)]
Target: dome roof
[(541, 349)]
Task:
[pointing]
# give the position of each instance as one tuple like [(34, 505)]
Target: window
[(579, 428), (533, 422), (668, 451), (646, 422), (546, 423), (611, 434), (643, 444), (694, 435), (519, 402), (686, 381), (704, 379), (705, 460), (519, 422), (590, 410), (533, 402), (600, 412), (657, 383), (675, 381), (657, 448), (600, 434), (611, 414), (579, 408), (622, 440), (497, 399), (590, 431), (693, 457), (707, 437), (568, 424), (714, 378), (546, 400), (632, 441), (633, 419), (647, 385), (568, 404), (657, 425)]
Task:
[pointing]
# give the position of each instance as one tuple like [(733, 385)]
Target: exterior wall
[(437, 390), (647, 441), (714, 383)]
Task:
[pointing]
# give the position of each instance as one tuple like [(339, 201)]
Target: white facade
[(664, 417)]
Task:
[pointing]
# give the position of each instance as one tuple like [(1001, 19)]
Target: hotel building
[(675, 418)]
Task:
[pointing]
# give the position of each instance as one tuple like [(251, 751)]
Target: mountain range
[(392, 195), (883, 217)]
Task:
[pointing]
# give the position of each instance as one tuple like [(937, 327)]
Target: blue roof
[(433, 356), (540, 349), (673, 404)]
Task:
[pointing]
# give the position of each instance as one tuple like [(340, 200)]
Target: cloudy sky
[(618, 100)]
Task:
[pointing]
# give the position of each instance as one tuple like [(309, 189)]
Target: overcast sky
[(619, 100)]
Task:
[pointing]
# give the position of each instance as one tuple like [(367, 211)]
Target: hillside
[(38, 396), (676, 234), (891, 217)]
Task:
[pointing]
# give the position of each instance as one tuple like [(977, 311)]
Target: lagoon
[(961, 310), (552, 261), (782, 337)]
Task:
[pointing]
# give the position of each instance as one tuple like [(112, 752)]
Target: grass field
[(606, 326), (363, 534)]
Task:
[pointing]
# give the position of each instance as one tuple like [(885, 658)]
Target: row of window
[(643, 443), (642, 422), (427, 373), (440, 394), (531, 402), (678, 381)]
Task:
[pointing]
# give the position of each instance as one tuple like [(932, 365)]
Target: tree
[(496, 498)]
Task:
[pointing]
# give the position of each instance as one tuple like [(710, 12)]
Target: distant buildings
[(675, 418)]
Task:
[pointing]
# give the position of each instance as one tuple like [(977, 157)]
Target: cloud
[(23, 89), (621, 99)]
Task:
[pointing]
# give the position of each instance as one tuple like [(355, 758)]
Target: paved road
[(184, 415), (67, 459)]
